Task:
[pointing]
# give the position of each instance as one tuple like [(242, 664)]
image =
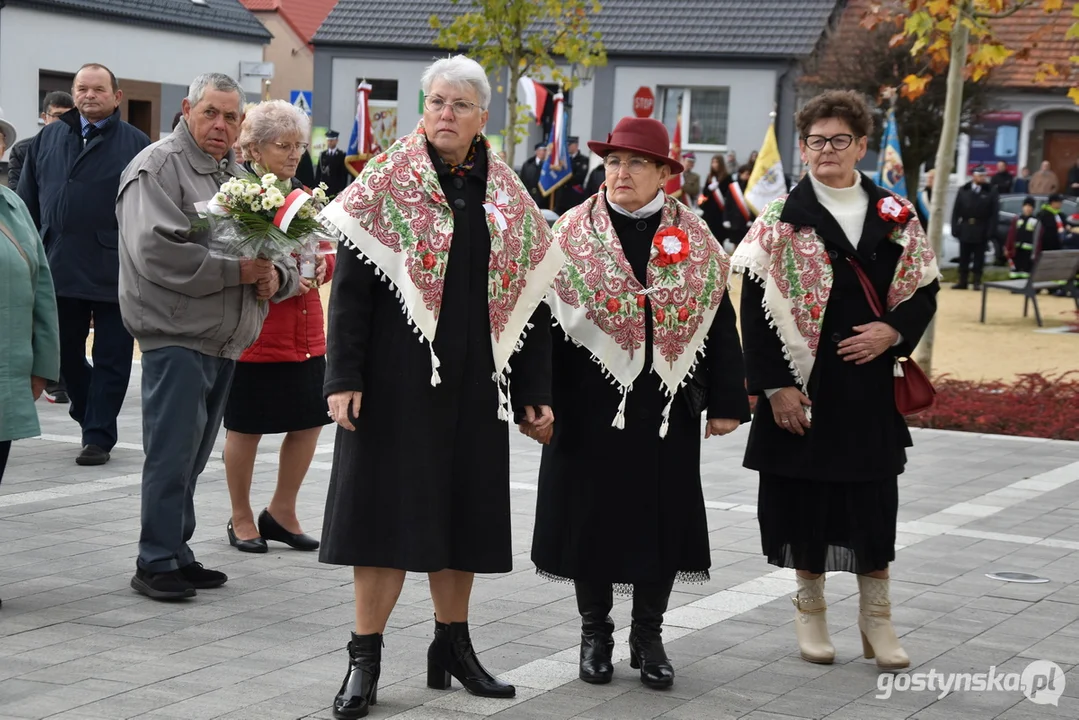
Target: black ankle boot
[(594, 602), (646, 651), (451, 654), (360, 689)]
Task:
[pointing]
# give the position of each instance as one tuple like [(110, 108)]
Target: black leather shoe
[(959, 286), (92, 455), (594, 602), (201, 578), (254, 545), (451, 654), (171, 585), (269, 529), (360, 689)]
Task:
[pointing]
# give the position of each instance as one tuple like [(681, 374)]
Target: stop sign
[(643, 102)]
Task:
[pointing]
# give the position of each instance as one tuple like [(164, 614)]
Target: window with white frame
[(704, 112)]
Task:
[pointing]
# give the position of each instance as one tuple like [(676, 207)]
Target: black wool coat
[(626, 506), (423, 483), (974, 215), (857, 435)]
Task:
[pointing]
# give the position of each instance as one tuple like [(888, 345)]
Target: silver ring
[(786, 421)]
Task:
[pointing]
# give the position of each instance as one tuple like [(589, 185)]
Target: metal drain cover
[(1017, 577)]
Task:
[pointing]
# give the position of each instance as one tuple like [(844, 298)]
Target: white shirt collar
[(648, 210)]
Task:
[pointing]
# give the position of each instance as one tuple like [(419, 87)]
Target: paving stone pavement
[(77, 643)]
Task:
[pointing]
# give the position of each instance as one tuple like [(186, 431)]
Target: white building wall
[(31, 41), (346, 71)]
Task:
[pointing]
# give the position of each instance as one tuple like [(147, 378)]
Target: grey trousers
[(183, 401)]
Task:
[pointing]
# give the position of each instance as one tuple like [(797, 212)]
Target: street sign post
[(644, 102), (301, 99)]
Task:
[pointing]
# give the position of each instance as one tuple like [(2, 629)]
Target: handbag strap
[(11, 236), (867, 287)]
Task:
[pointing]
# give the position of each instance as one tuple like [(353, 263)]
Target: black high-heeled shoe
[(451, 654), (270, 529), (254, 545), (359, 691)]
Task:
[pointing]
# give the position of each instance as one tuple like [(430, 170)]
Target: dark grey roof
[(757, 28), (221, 18)]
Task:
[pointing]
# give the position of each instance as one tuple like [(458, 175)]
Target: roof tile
[(226, 18), (761, 28)]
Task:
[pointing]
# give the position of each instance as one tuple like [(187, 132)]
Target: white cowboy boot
[(811, 621), (875, 621)]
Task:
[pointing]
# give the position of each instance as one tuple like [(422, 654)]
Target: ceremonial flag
[(557, 168), (534, 95), (766, 183), (361, 142), (890, 162), (674, 184)]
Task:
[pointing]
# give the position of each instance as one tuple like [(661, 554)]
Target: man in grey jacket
[(193, 313)]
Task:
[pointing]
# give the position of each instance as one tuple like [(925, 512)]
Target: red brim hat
[(641, 136)]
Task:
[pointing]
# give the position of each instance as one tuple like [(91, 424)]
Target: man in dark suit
[(331, 166), (530, 172), (573, 192), (69, 183), (974, 221)]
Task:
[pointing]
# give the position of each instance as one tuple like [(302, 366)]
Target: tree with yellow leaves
[(521, 37), (957, 37)]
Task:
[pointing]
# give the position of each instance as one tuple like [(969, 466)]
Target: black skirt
[(271, 398), (828, 526)]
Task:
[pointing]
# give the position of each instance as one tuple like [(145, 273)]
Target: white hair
[(270, 120), (458, 71), (214, 81)]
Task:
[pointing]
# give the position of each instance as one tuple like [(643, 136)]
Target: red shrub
[(1032, 406)]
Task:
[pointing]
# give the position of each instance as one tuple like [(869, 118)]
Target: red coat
[(294, 330)]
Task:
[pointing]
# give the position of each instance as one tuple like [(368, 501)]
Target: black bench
[(1053, 269)]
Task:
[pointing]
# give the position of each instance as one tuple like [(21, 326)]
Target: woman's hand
[(872, 341), (320, 269), (306, 285), (720, 426), (538, 423), (543, 437), (342, 405), (788, 409), (37, 386)]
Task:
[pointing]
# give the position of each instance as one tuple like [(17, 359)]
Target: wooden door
[(1062, 151)]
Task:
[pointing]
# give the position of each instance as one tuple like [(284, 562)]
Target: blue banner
[(557, 168), (890, 163)]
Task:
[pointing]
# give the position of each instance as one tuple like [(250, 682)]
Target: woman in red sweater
[(277, 387)]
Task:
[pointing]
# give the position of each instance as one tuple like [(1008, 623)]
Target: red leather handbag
[(913, 391)]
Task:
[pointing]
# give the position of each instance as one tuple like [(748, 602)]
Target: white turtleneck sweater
[(847, 205)]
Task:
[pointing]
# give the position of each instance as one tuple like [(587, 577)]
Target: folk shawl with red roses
[(600, 304), (396, 217), (797, 274)]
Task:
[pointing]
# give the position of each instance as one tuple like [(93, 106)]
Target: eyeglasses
[(57, 115), (460, 108), (635, 165), (839, 142), (289, 147)]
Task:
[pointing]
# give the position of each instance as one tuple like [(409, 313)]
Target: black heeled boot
[(451, 654), (645, 644), (594, 602), (360, 689)]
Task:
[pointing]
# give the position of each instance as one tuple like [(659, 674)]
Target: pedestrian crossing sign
[(301, 99)]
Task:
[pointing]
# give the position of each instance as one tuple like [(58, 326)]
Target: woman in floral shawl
[(826, 437), (444, 257), (645, 343)]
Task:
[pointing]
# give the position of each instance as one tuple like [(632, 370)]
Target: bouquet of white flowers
[(265, 218)]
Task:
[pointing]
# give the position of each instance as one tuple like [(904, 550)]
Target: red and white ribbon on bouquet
[(293, 202)]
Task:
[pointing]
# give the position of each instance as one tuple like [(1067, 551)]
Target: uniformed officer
[(573, 193), (331, 166), (974, 223), (530, 173)]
